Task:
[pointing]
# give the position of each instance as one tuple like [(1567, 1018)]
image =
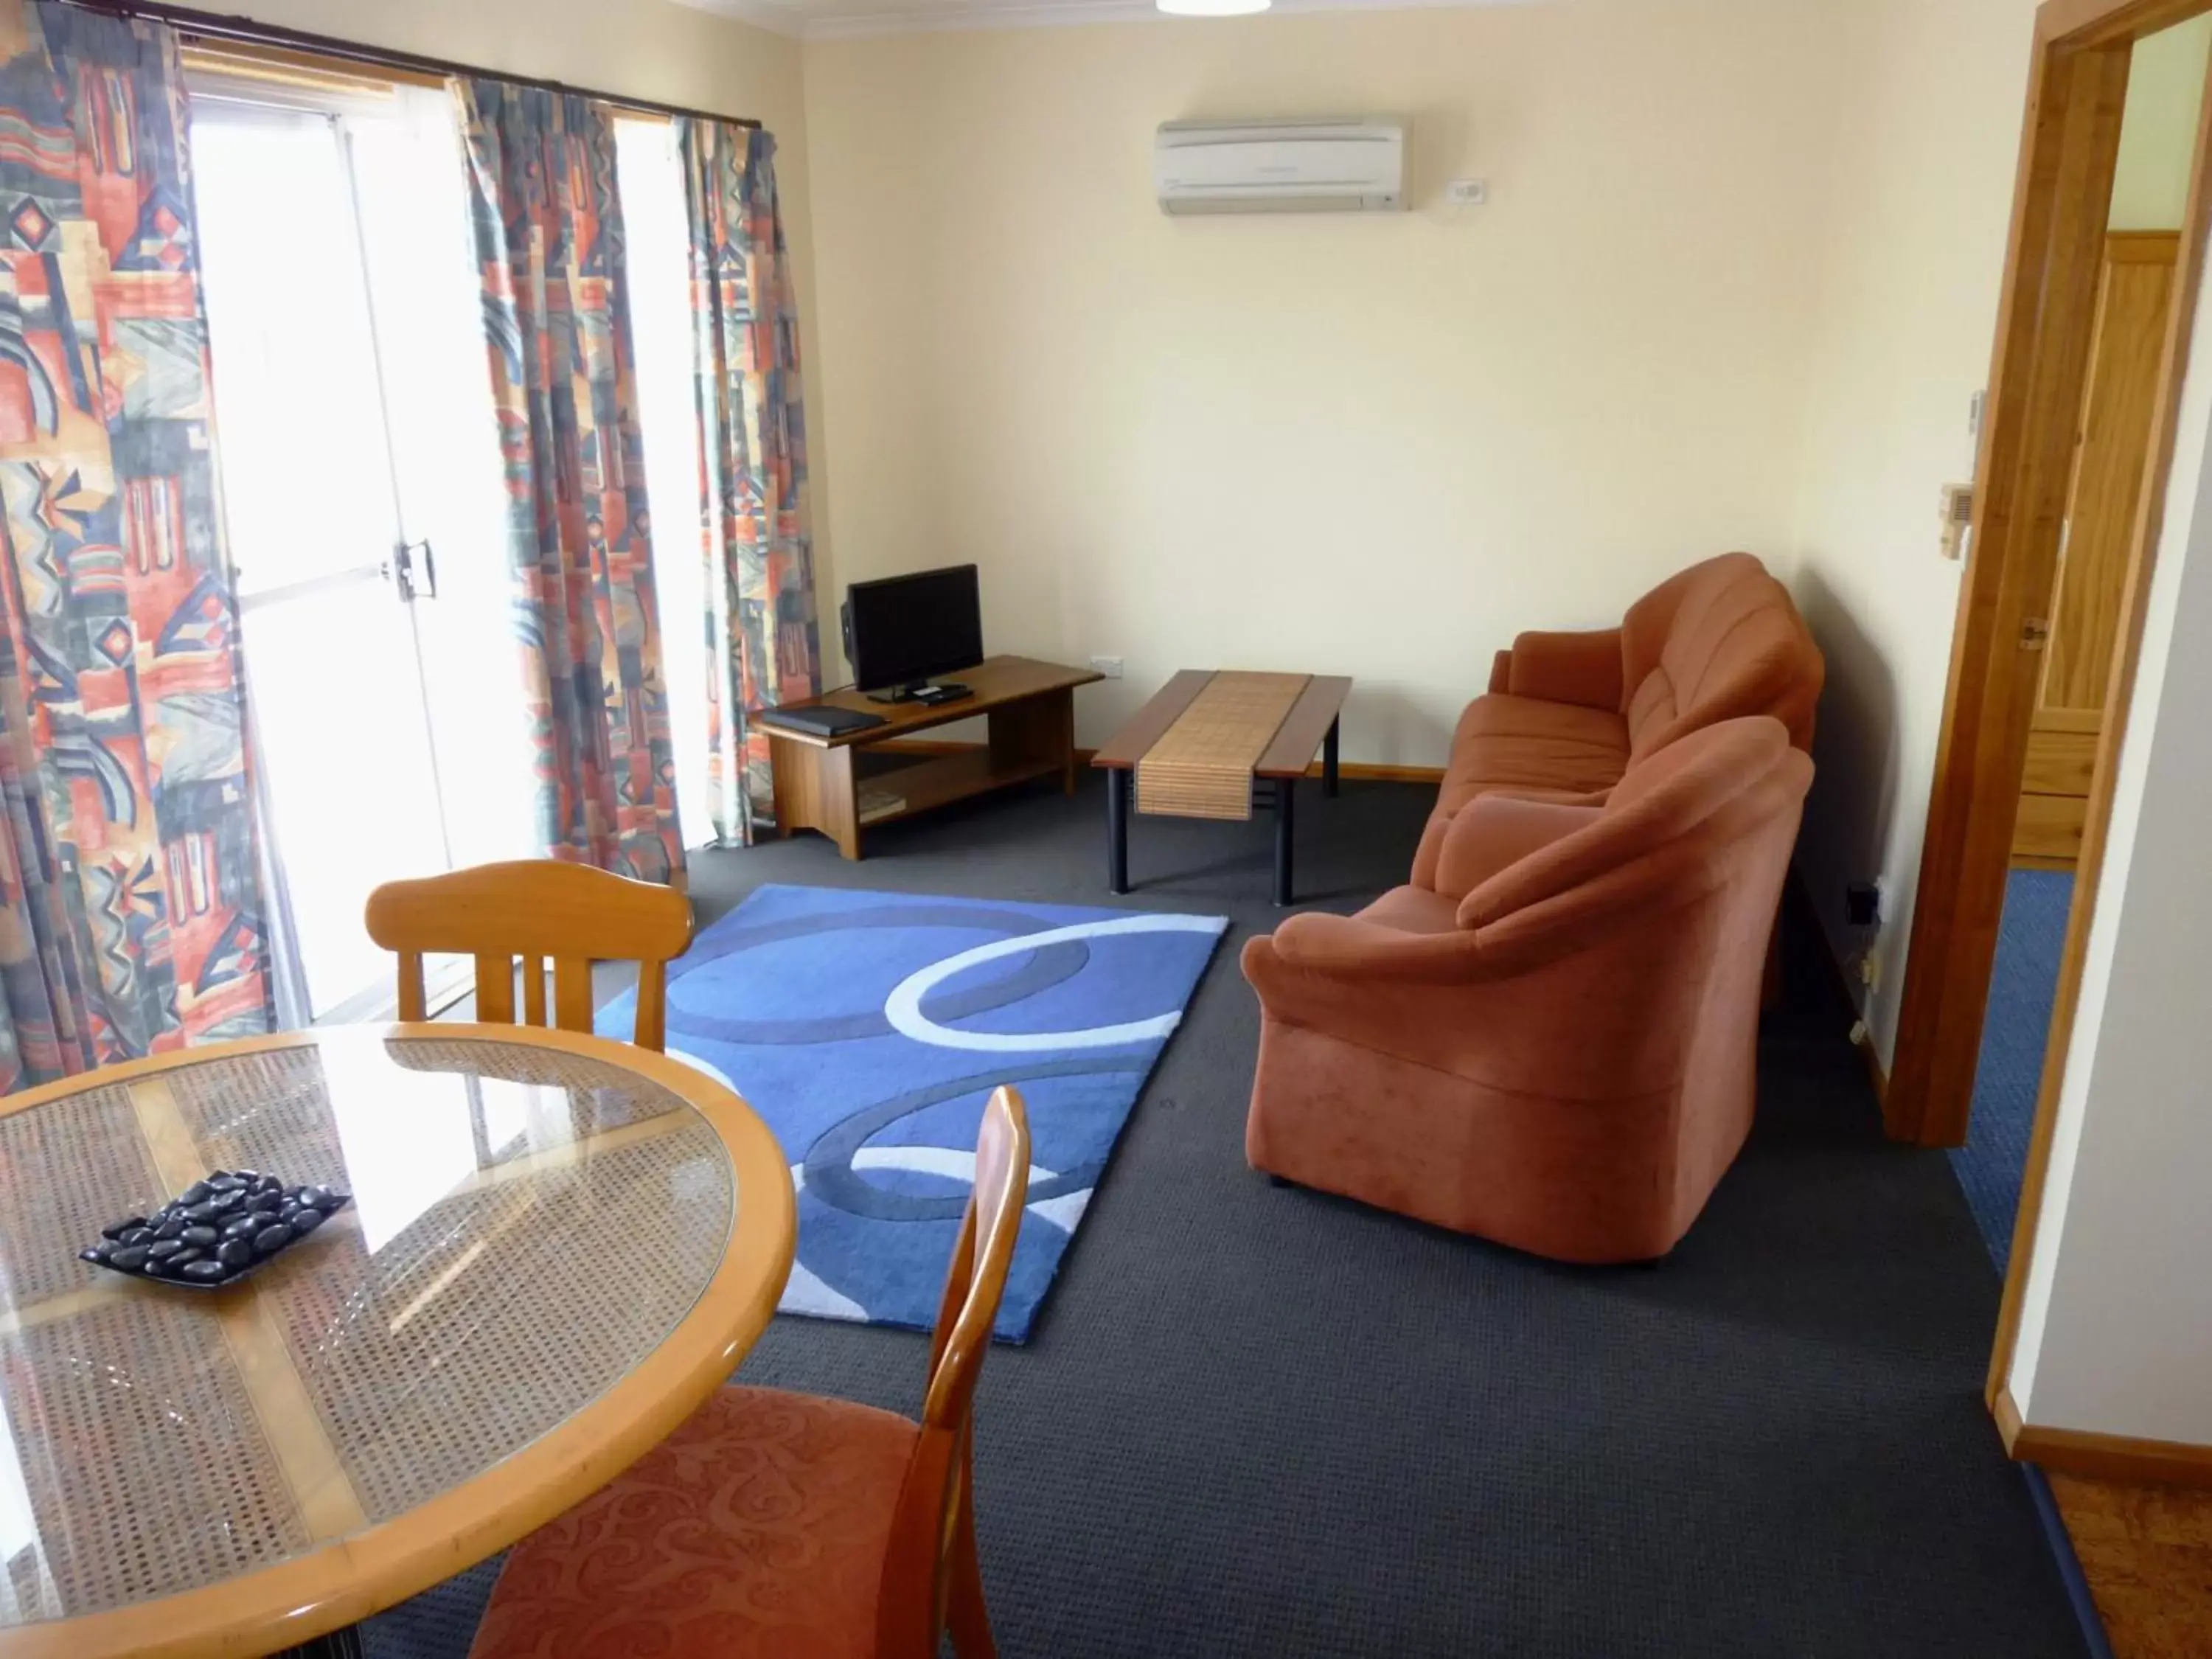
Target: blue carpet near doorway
[(867, 1029), (2029, 940)]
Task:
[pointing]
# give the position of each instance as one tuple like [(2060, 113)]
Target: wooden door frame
[(2077, 83)]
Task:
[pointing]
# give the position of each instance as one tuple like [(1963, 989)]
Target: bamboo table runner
[(1201, 767)]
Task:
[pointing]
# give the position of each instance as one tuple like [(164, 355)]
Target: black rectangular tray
[(217, 1201)]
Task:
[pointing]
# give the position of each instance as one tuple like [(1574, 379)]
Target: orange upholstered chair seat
[(787, 1526), (756, 1531)]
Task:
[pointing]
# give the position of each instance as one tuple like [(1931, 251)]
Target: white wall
[(1907, 317), (1378, 444), (648, 49)]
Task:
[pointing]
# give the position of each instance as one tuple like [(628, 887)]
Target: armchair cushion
[(1581, 668), (1494, 831)]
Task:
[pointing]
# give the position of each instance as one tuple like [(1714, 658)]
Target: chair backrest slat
[(414, 1001), (534, 908), (652, 1004), (572, 992), (496, 987), (934, 1501)]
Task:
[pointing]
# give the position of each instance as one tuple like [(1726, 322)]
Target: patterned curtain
[(548, 237), (130, 894), (764, 647)]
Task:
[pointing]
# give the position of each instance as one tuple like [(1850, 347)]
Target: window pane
[(651, 180)]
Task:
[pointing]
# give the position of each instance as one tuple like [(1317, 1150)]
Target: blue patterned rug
[(867, 1029)]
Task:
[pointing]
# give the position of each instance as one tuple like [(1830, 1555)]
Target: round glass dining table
[(558, 1247)]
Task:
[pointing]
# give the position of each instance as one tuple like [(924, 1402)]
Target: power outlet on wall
[(1109, 666), (1468, 192)]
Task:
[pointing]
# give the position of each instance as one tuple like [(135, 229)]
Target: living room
[(1391, 1058)]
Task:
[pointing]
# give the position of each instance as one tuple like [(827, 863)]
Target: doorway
[(365, 498), (2133, 302)]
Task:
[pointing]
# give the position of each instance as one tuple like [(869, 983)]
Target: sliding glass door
[(365, 498)]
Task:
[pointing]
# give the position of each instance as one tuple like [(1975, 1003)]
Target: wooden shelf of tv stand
[(1028, 705)]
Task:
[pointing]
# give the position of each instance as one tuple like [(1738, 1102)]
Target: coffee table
[(1277, 726)]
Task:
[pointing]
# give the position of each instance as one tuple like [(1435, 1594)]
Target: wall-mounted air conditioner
[(1280, 167)]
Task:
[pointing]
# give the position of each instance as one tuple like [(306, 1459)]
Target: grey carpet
[(1258, 1421)]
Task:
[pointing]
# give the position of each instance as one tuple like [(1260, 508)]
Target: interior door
[(2134, 294)]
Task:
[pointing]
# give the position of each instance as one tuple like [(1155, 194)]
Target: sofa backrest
[(1719, 641), (1681, 809)]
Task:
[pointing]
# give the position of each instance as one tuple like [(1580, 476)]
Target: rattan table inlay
[(558, 1246)]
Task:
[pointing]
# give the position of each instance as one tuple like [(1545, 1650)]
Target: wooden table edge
[(1065, 677), (1131, 740), (1314, 712), (345, 1581)]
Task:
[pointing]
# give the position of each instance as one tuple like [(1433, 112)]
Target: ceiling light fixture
[(1211, 8)]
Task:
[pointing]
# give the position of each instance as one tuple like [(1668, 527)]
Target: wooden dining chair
[(540, 910), (790, 1524)]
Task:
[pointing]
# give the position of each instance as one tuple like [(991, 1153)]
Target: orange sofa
[(1568, 715), (1549, 1040)]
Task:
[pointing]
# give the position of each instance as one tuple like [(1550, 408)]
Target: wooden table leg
[(1117, 830), (1287, 799)]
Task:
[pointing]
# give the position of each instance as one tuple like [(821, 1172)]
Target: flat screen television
[(902, 630)]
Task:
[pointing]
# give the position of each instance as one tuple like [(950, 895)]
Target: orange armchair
[(1550, 1043)]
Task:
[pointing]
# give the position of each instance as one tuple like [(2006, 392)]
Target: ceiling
[(830, 19)]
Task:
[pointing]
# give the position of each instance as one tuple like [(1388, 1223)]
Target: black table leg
[(1286, 798), (1328, 760), (1117, 830), (344, 1642)]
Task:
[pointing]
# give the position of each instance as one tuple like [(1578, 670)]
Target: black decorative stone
[(217, 1231)]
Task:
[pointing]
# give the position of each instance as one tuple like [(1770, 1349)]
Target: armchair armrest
[(1578, 668), (1501, 671)]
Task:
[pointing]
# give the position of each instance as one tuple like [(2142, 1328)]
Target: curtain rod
[(208, 26)]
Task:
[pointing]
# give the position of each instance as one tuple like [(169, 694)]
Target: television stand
[(1030, 708), (922, 691)]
